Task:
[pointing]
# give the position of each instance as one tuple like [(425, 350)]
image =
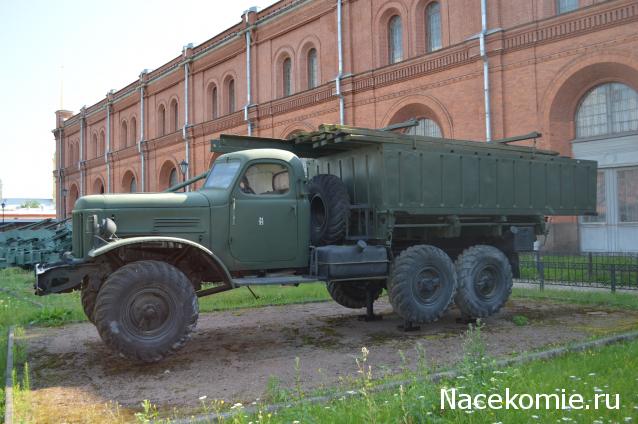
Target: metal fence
[(603, 270)]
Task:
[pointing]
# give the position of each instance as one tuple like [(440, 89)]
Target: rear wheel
[(485, 281), (146, 310), (422, 284), (353, 294)]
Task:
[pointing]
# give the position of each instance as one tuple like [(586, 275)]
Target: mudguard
[(68, 274), (94, 253)]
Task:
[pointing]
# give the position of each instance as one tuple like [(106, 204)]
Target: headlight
[(108, 227)]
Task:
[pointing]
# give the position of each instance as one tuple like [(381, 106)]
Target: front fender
[(163, 242)]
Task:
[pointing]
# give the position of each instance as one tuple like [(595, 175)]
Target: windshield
[(222, 174)]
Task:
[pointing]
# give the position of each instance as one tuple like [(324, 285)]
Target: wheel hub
[(147, 312), (486, 281), (427, 285)]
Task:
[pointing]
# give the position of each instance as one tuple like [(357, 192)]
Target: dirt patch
[(233, 354)]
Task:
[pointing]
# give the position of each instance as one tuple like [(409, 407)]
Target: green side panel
[(438, 180), (451, 180), (487, 180), (522, 184), (539, 180), (431, 181), (553, 186), (471, 179)]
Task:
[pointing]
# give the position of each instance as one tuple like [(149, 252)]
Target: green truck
[(433, 221)]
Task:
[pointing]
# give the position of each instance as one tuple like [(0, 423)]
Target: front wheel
[(90, 289), (422, 284), (485, 281), (146, 310)]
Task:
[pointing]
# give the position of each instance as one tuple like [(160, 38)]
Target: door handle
[(293, 208)]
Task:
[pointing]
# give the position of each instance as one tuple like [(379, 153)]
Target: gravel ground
[(233, 354)]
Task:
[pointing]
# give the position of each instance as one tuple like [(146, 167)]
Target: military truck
[(433, 221)]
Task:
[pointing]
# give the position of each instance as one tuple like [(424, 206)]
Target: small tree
[(30, 204)]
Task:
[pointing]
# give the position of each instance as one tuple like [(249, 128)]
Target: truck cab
[(259, 210)]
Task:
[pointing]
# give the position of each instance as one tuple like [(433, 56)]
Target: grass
[(591, 298), (611, 370), (412, 403), (20, 307)]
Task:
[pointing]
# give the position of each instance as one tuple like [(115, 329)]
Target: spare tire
[(329, 209)]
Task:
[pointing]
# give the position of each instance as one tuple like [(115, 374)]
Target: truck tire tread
[(113, 293), (337, 204), (400, 290), (467, 300), (88, 296)]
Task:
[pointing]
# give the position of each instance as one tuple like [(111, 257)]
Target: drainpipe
[(340, 74), (82, 126), (140, 144), (248, 71), (108, 144), (486, 75), (185, 128), (186, 102)]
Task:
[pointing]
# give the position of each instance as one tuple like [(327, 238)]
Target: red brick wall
[(540, 66)]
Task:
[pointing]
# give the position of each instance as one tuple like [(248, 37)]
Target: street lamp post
[(183, 167)]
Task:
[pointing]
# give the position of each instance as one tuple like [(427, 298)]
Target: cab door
[(263, 216)]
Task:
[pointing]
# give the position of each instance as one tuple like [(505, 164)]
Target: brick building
[(567, 68)]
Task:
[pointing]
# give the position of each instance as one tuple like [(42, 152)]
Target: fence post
[(540, 268), (613, 278), (590, 267)]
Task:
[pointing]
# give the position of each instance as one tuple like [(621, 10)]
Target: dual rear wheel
[(424, 282)]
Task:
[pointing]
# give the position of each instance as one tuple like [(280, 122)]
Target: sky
[(70, 53)]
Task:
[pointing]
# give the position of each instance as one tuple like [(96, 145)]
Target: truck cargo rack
[(331, 139)]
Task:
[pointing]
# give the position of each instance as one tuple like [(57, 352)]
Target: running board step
[(288, 280)]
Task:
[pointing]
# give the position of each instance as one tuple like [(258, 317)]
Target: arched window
[(94, 146), (133, 186), (172, 178), (312, 68), (607, 109), (426, 127), (231, 95), (214, 106), (98, 186), (102, 148), (124, 134), (161, 120), (395, 39), (174, 116), (433, 26), (133, 131), (287, 77)]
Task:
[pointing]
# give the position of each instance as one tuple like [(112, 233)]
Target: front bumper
[(61, 277)]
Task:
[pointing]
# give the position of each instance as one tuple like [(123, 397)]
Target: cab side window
[(265, 179)]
